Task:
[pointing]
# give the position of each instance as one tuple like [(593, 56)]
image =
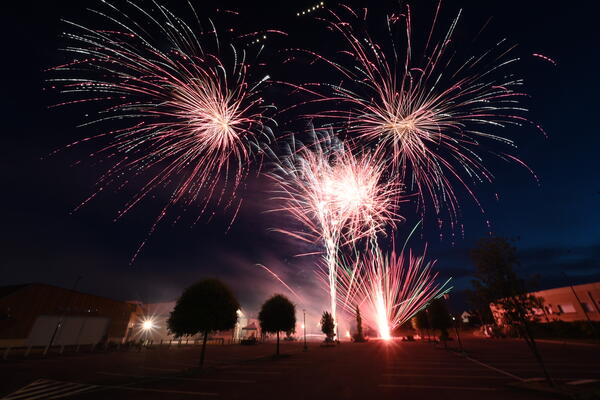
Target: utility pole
[(458, 335), (62, 317), (593, 328), (304, 326)]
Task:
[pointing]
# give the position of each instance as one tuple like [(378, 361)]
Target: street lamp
[(148, 326), (304, 327)]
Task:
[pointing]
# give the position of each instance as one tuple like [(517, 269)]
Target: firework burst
[(176, 115), (389, 289), (337, 197), (427, 117)]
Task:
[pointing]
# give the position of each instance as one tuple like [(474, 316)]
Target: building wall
[(564, 305), (21, 308)]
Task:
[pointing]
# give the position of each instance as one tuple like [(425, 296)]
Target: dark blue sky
[(556, 223)]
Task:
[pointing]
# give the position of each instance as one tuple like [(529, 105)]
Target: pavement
[(374, 370)]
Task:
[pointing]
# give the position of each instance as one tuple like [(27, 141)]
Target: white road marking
[(178, 378), (162, 369), (447, 376), (487, 389), (495, 369), (255, 372), (48, 389), (158, 390), (436, 368), (582, 381)]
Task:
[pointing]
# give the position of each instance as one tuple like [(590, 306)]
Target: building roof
[(6, 290), (582, 287)]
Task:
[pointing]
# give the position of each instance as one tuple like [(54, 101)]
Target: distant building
[(465, 317), (36, 314), (39, 314), (569, 303)]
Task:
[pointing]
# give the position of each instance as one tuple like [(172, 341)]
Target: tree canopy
[(359, 337), (328, 326), (206, 306), (496, 282), (277, 314), (440, 317), (421, 320)]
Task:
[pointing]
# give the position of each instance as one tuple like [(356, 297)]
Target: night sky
[(556, 223)]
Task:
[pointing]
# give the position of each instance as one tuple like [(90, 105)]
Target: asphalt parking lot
[(377, 369)]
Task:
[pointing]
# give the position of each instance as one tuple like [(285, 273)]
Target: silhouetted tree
[(421, 322), (496, 282), (440, 318), (359, 337), (328, 326), (277, 314), (204, 307)]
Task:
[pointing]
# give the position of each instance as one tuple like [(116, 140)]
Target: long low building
[(38, 314), (569, 303)]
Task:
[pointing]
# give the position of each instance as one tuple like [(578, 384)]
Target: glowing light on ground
[(389, 288)]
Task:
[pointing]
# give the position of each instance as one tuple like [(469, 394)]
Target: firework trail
[(427, 117), (390, 289), (177, 116), (274, 275), (337, 197)]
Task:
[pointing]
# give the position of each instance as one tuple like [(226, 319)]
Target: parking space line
[(158, 390), (256, 372), (179, 378), (487, 389), (162, 369), (501, 371), (436, 368), (48, 389), (582, 381), (446, 376)]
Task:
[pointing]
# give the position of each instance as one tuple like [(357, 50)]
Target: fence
[(18, 352)]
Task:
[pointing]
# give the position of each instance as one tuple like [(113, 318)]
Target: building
[(569, 303), (38, 314)]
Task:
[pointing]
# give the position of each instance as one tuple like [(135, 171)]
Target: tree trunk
[(203, 348), (277, 353), (533, 347)]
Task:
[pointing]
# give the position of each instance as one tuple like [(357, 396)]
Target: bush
[(566, 330)]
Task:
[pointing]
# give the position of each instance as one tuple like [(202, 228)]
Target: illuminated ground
[(365, 371)]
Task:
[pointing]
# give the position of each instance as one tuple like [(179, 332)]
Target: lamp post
[(304, 327), (458, 335)]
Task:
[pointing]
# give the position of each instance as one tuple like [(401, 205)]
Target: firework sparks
[(427, 117), (337, 197), (389, 289), (188, 121)]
